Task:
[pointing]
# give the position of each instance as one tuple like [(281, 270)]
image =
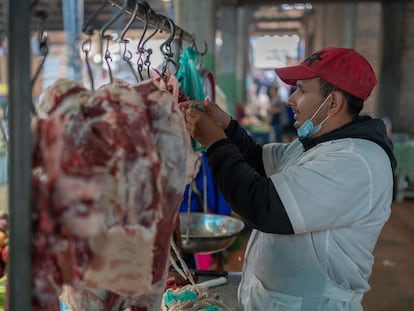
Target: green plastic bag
[(188, 76), (190, 81)]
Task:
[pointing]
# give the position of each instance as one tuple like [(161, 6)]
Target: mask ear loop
[(320, 107), (324, 120)]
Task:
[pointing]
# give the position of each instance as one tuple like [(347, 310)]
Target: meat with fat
[(109, 170)]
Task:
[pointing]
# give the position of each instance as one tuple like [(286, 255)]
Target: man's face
[(305, 101)]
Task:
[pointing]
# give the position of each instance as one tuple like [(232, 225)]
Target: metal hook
[(128, 25), (153, 33), (112, 20), (127, 56), (170, 61), (194, 45), (108, 58), (43, 48), (102, 36), (140, 45), (86, 48), (142, 42), (167, 43), (147, 62), (166, 49), (42, 15), (87, 44), (140, 67), (86, 28)]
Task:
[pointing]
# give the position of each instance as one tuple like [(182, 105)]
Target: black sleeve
[(251, 151), (251, 195)]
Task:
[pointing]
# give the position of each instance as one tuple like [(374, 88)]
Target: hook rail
[(154, 20)]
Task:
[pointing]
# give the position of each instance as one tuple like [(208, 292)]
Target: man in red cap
[(317, 204)]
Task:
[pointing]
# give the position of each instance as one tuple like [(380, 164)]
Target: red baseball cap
[(342, 67)]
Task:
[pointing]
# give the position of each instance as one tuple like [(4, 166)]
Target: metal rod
[(20, 99), (154, 19)]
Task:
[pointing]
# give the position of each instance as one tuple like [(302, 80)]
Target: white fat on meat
[(169, 133), (65, 97), (119, 263), (171, 87)]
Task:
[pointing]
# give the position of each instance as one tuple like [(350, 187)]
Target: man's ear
[(336, 103)]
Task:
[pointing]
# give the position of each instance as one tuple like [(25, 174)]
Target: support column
[(72, 11), (199, 17), (368, 41), (227, 63), (389, 92), (242, 52), (19, 276), (348, 24)]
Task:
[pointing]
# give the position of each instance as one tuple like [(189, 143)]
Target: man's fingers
[(191, 116), (191, 112), (208, 104)]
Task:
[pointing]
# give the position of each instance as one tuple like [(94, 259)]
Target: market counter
[(228, 292), (404, 153)]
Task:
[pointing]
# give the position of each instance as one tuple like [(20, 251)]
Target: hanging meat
[(109, 171)]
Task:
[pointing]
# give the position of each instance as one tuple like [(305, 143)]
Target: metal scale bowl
[(203, 232), (208, 233)]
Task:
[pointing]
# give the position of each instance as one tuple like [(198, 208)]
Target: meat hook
[(86, 48), (112, 20), (43, 48), (128, 25), (194, 45), (146, 11), (127, 55), (103, 36), (108, 58), (149, 52), (166, 49), (86, 28), (140, 48), (87, 44)]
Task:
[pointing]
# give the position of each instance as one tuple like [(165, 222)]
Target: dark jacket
[(237, 160)]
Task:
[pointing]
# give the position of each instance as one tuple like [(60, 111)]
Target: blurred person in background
[(276, 111)]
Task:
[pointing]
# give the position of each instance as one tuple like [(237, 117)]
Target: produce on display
[(4, 242), (109, 170)]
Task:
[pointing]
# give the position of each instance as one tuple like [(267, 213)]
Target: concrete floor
[(392, 280)]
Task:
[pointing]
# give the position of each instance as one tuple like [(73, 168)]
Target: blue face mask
[(307, 128)]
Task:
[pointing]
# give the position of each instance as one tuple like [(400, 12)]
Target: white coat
[(337, 196)]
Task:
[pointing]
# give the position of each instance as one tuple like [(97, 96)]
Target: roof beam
[(276, 2)]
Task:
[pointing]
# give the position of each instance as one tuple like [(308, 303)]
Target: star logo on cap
[(313, 57)]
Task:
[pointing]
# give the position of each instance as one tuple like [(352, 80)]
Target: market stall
[(72, 247)]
